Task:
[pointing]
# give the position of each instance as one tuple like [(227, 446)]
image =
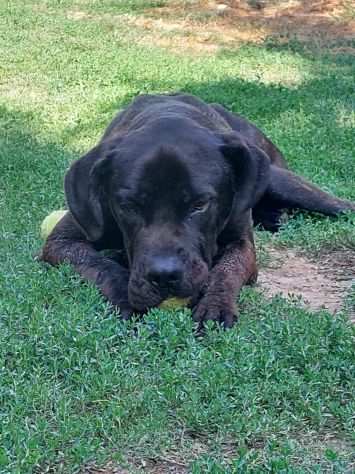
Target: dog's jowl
[(174, 187)]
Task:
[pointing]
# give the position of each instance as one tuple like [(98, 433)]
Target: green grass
[(79, 386)]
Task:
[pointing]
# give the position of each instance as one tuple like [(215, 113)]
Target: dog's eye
[(127, 207), (199, 206)]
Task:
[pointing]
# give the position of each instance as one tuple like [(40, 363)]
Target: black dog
[(173, 185)]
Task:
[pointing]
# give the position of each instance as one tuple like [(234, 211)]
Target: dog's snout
[(165, 272)]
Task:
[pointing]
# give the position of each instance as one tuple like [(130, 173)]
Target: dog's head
[(170, 190)]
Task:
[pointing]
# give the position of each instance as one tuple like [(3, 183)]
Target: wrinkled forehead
[(173, 177)]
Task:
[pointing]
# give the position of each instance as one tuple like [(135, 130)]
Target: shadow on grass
[(258, 101), (31, 172)]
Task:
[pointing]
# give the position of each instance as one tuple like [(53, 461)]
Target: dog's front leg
[(235, 268), (67, 244)]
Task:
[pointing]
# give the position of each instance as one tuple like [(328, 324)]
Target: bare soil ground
[(230, 22), (200, 26), (151, 466), (177, 464), (322, 283)]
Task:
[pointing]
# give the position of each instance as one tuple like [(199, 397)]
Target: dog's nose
[(165, 272)]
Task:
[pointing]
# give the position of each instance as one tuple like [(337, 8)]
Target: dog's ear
[(84, 191), (251, 170)]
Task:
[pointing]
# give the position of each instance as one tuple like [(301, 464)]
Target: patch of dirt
[(173, 462), (211, 24), (321, 283), (204, 26), (313, 445), (153, 466)]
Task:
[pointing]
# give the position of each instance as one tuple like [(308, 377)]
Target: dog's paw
[(116, 294), (208, 309)]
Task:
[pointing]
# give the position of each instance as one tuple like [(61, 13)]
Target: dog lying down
[(174, 187)]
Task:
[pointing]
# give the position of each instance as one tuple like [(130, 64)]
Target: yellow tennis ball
[(50, 222), (174, 303)]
